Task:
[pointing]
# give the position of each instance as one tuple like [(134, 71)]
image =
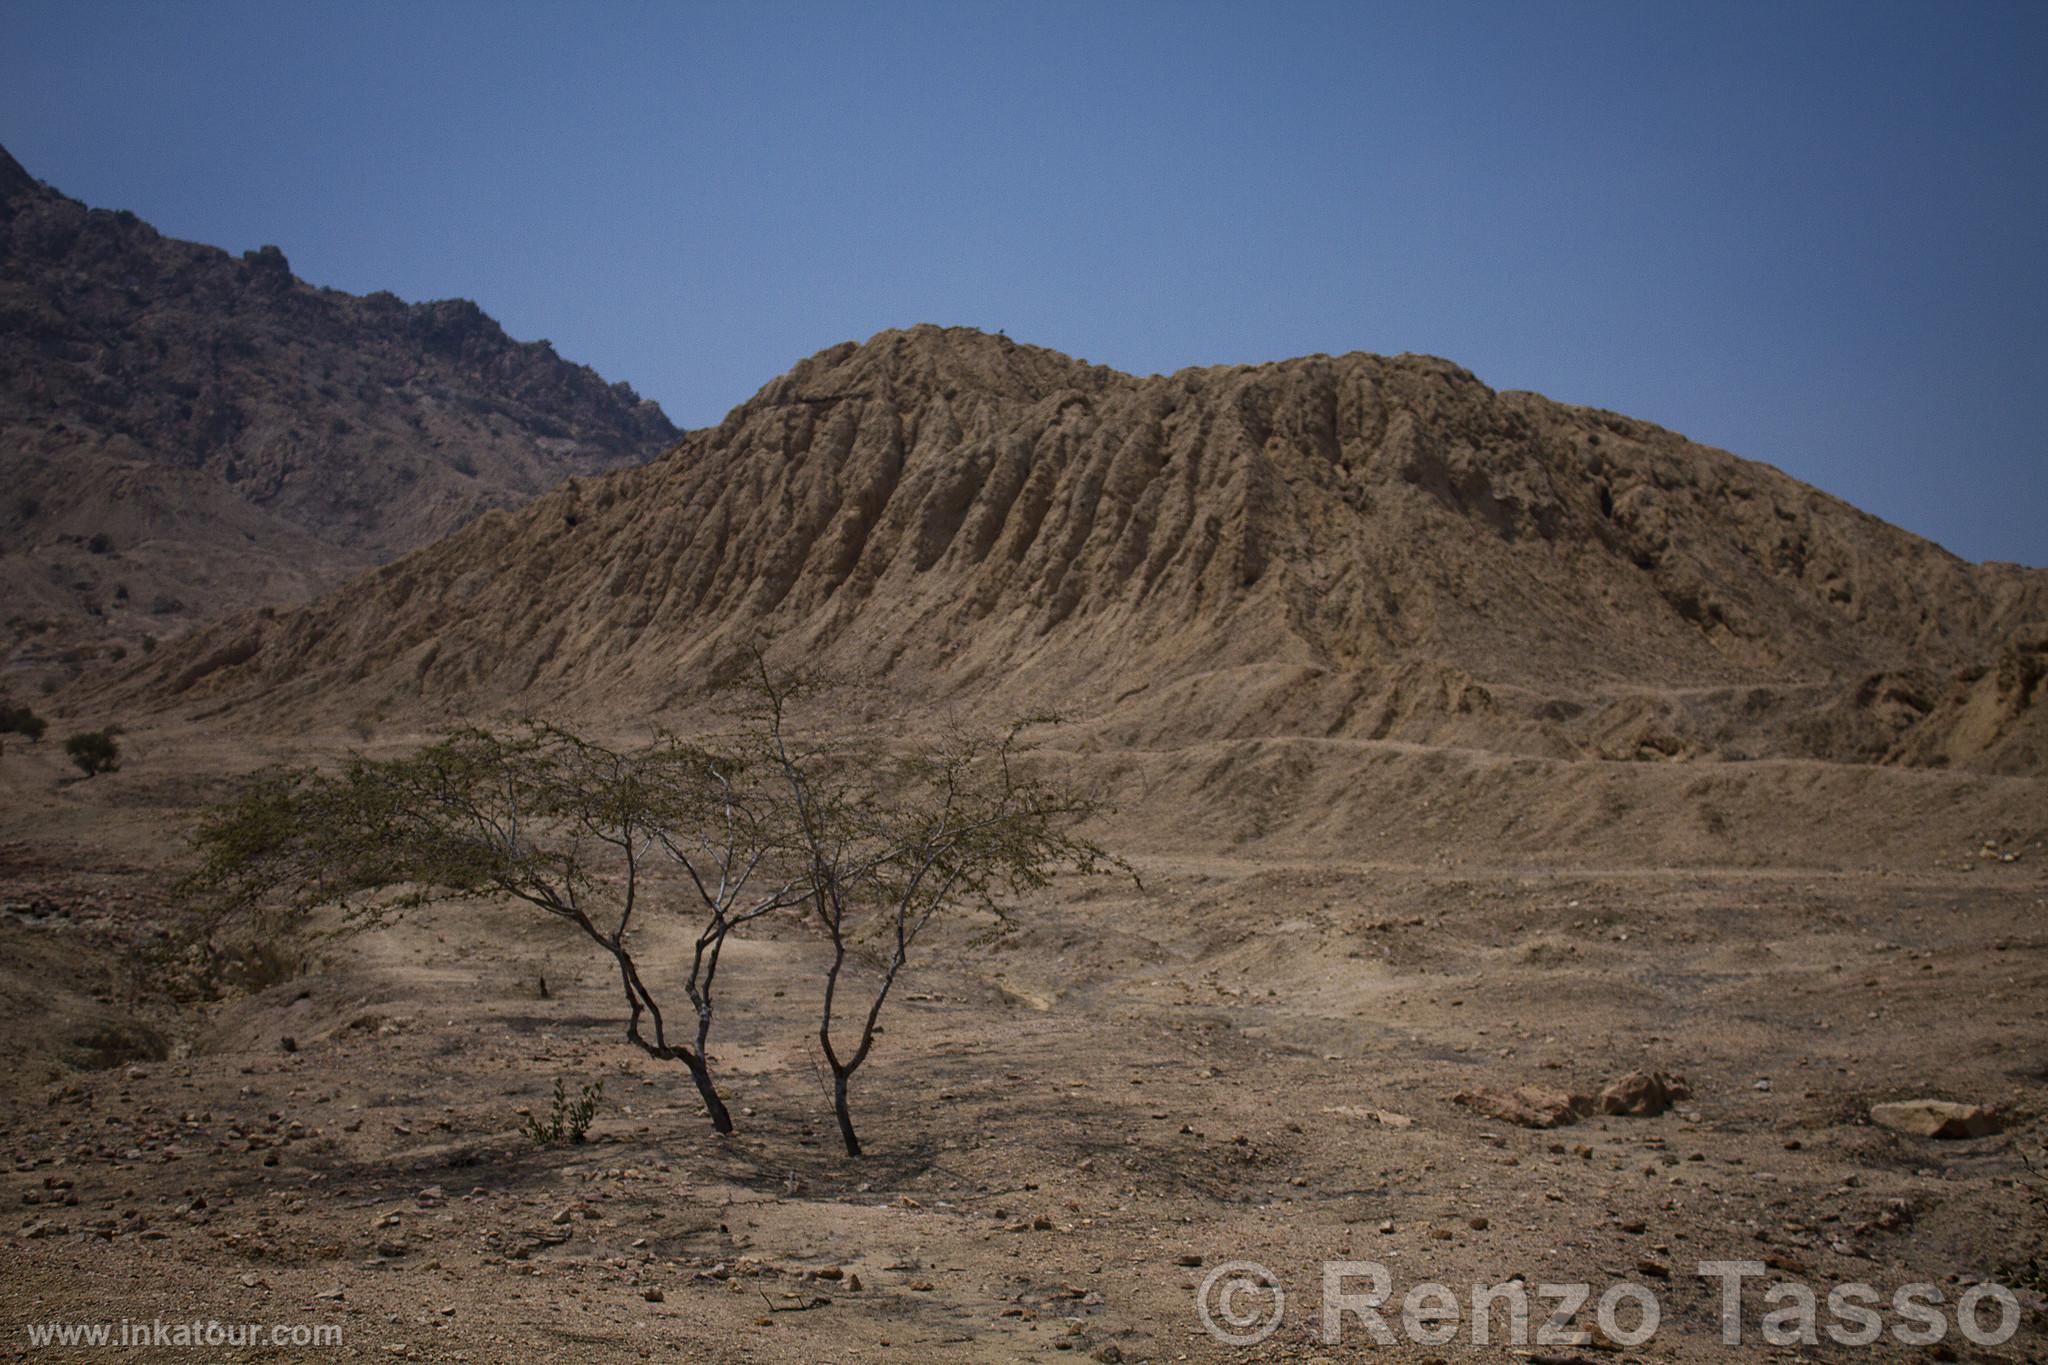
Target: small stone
[(652, 1294)]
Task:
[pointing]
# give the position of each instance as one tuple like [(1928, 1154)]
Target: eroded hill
[(1329, 546)]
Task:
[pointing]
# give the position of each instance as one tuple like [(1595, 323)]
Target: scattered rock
[(1386, 1118), (1527, 1106), (1936, 1119), (1643, 1094)]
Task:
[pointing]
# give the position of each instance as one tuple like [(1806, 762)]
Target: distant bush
[(19, 720), (101, 543), (94, 751)]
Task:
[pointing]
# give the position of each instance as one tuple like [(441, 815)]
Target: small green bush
[(569, 1121)]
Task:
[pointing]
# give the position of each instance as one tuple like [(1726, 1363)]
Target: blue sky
[(1814, 234)]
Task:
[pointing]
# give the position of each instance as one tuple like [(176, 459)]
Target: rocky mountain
[(1350, 546), (184, 432)]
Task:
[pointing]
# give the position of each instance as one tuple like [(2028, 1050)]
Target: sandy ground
[(1250, 1057)]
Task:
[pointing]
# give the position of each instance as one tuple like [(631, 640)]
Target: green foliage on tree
[(538, 817)]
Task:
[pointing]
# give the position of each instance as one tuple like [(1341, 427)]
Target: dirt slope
[(1330, 546)]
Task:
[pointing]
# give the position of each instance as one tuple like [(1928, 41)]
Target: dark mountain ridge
[(240, 437)]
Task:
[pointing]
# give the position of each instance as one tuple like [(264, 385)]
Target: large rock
[(1528, 1106), (1643, 1094), (1935, 1119)]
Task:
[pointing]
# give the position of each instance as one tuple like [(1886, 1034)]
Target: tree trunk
[(721, 1117), (839, 1080)]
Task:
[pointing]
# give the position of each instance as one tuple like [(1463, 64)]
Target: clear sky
[(1815, 234)]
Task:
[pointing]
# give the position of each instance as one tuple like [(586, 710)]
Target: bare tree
[(542, 817), (725, 845), (868, 845), (890, 842)]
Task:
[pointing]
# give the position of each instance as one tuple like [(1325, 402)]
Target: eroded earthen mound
[(1329, 546)]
